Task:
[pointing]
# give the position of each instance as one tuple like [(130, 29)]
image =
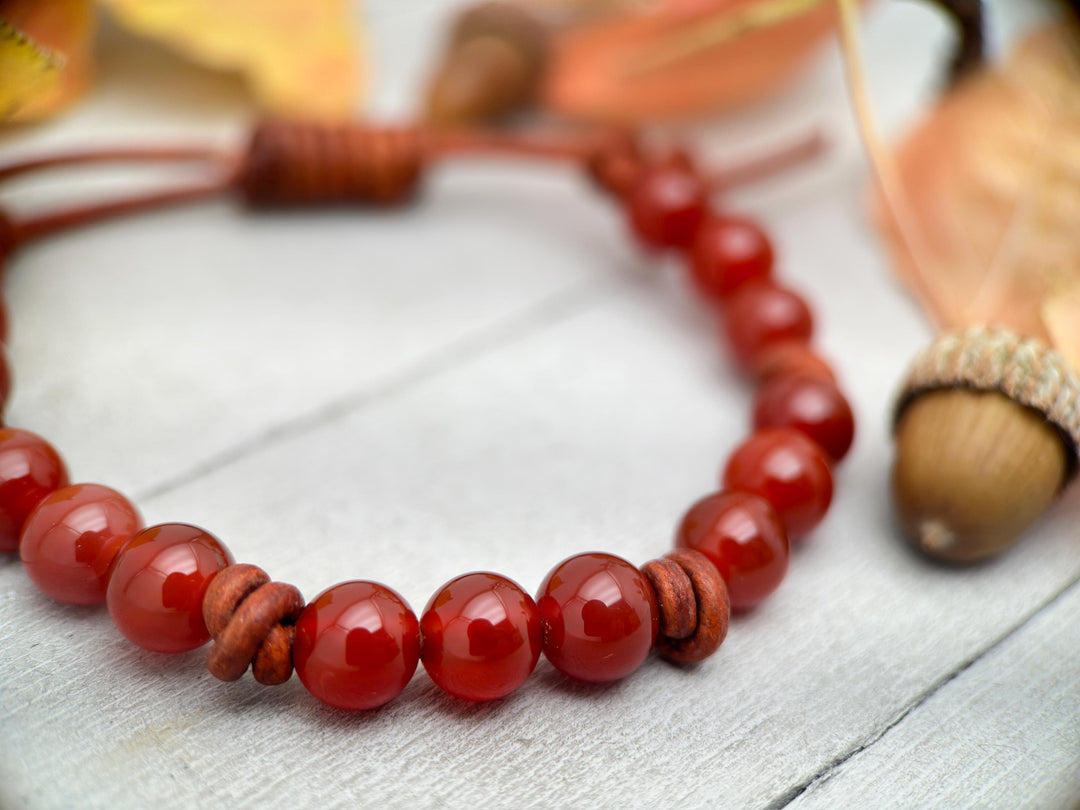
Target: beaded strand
[(596, 617)]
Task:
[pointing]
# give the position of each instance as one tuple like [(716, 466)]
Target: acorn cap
[(987, 432)]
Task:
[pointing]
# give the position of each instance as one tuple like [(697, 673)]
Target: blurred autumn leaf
[(27, 68), (300, 57), (62, 32), (683, 58), (990, 184)]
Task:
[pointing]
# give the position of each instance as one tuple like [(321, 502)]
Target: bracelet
[(173, 587)]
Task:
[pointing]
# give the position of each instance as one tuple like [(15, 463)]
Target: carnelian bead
[(667, 205), (761, 314), (743, 537), (157, 585), (811, 406), (29, 470), (794, 358), (788, 470), (481, 635), (357, 645), (71, 538), (600, 617), (727, 253)]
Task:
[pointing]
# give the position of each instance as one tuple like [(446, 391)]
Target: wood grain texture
[(1012, 714), (492, 381)]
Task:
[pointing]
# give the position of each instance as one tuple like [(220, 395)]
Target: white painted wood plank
[(1004, 733), (589, 422), (594, 434)]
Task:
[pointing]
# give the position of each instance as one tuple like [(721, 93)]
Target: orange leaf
[(66, 28), (593, 73), (1061, 314), (991, 182), (299, 55)]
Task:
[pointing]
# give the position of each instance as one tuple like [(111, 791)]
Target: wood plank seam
[(536, 318), (833, 767)]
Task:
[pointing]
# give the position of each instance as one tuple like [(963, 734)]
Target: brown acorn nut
[(492, 67), (987, 431)]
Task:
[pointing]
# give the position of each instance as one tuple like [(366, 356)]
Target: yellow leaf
[(28, 69), (65, 28), (299, 55)]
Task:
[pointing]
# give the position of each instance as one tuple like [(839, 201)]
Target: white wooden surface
[(495, 380)]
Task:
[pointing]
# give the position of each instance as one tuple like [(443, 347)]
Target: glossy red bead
[(357, 645), (667, 205), (791, 358), (481, 635), (157, 585), (29, 470), (600, 617), (788, 470), (727, 253), (744, 538), (811, 406), (71, 538), (762, 314)]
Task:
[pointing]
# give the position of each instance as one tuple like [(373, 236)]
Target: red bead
[(789, 471), (357, 645), (600, 617), (791, 358), (811, 406), (743, 537), (71, 539), (482, 636), (29, 470), (760, 315), (727, 253), (157, 585), (667, 205)]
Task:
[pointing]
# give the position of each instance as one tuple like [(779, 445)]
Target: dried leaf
[(60, 35), (991, 182), (1061, 314), (602, 70), (299, 55)]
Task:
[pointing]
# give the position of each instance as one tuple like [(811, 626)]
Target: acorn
[(492, 67), (987, 432)]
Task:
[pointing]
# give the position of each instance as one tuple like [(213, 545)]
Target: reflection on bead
[(789, 471), (811, 406), (29, 470), (71, 538), (667, 205), (791, 358), (157, 585), (600, 617), (743, 537), (357, 645), (762, 314), (481, 636), (727, 253)]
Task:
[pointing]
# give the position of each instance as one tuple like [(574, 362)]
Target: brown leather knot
[(694, 605), (616, 162), (251, 620), (8, 237), (289, 163)]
